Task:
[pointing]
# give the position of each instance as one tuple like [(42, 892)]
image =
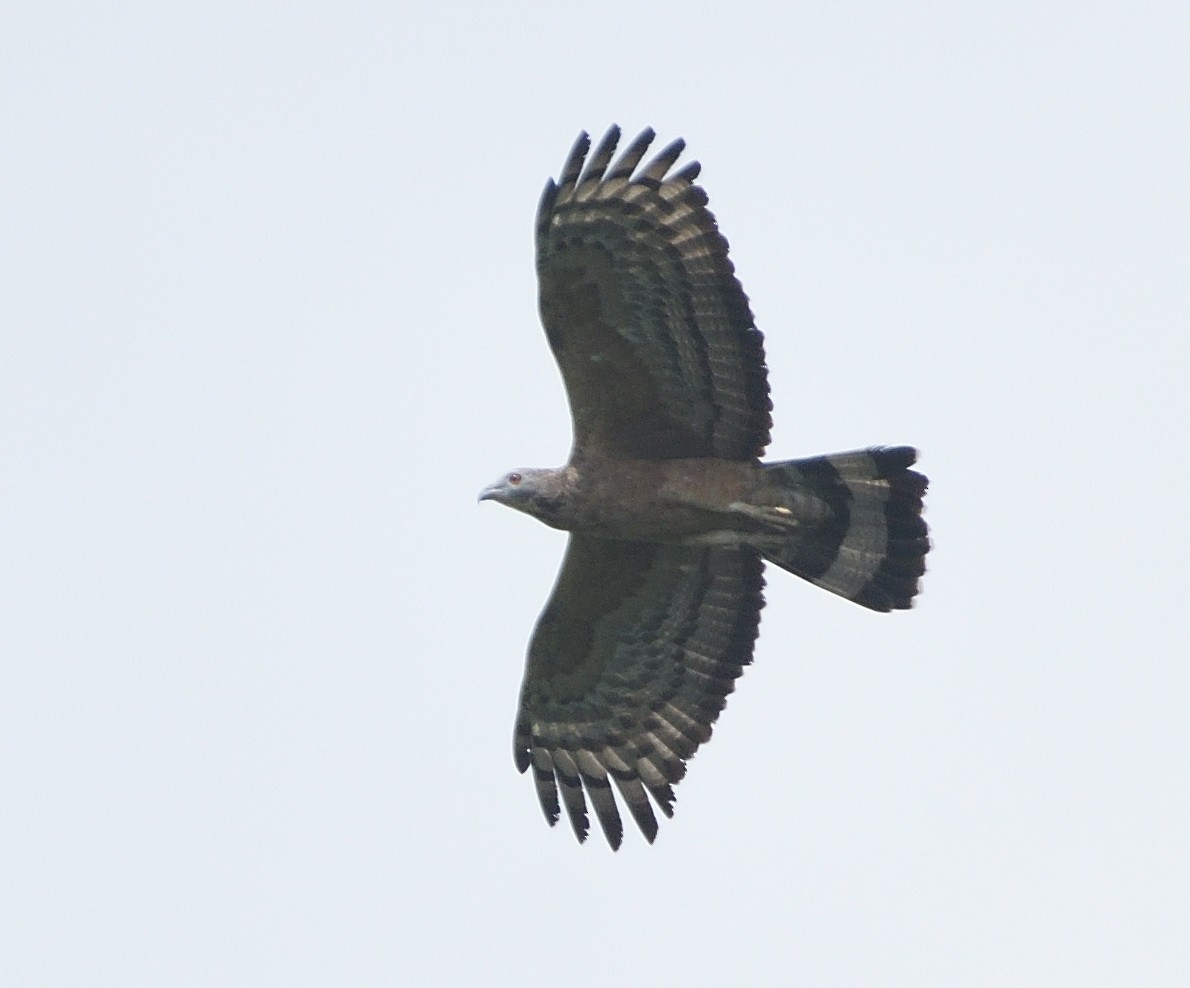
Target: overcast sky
[(268, 323)]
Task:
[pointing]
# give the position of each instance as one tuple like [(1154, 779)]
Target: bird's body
[(670, 501), (670, 509)]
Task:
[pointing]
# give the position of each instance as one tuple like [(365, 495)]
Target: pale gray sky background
[(268, 323)]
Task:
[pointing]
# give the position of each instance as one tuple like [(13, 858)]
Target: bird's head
[(539, 493)]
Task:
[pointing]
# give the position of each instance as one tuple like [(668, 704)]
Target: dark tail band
[(872, 546)]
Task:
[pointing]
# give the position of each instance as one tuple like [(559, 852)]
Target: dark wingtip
[(646, 136), (598, 160), (654, 173), (522, 753), (632, 155), (547, 793), (574, 164), (545, 206), (613, 830), (688, 173)]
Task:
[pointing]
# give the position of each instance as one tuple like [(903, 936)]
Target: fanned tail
[(868, 542)]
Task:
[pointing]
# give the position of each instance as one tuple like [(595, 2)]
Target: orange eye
[(514, 479)]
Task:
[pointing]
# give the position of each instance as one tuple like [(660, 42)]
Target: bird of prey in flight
[(670, 511)]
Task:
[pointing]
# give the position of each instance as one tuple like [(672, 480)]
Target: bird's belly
[(670, 524), (676, 502)]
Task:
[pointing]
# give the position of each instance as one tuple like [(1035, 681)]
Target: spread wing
[(642, 309), (629, 666)]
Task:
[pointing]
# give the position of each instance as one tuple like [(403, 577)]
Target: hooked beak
[(491, 492)]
